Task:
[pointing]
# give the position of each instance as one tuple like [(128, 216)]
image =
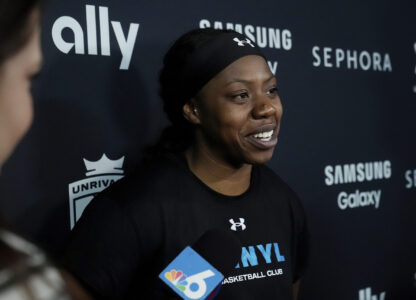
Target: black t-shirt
[(132, 231)]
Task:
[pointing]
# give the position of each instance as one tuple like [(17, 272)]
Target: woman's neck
[(216, 173)]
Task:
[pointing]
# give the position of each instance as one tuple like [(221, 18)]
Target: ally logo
[(204, 282), (101, 174), (125, 42)]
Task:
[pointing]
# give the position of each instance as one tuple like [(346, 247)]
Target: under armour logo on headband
[(243, 42), (234, 225)]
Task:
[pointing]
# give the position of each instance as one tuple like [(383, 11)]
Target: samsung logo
[(357, 172)]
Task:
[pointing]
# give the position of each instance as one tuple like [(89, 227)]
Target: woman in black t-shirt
[(221, 99)]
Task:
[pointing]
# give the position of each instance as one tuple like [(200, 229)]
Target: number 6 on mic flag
[(191, 276)]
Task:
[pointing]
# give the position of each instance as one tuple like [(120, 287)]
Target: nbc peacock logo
[(177, 278), (191, 277), (100, 175)]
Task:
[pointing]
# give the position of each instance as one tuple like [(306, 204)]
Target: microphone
[(196, 272)]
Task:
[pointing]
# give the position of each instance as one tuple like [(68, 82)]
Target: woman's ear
[(190, 112)]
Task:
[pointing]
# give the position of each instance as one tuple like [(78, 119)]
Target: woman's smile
[(265, 137)]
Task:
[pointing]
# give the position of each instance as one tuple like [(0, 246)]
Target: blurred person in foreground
[(25, 271)]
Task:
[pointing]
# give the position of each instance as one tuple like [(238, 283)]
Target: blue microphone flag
[(191, 276)]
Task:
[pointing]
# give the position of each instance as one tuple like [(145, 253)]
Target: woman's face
[(239, 112), (16, 111)]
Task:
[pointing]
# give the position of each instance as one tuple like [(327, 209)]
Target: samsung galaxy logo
[(357, 172), (351, 59), (125, 42), (359, 199)]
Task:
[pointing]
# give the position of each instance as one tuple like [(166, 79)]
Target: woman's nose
[(263, 108)]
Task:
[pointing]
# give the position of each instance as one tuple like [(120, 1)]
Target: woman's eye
[(240, 96), (273, 90)]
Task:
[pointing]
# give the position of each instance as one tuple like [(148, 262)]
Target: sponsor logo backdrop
[(346, 73)]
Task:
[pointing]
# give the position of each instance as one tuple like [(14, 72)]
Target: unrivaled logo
[(126, 44), (101, 174), (204, 281), (365, 294)]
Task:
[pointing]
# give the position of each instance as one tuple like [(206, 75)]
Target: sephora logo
[(100, 175), (410, 176), (338, 58), (125, 42)]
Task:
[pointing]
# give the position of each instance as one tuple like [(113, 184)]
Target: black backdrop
[(347, 77)]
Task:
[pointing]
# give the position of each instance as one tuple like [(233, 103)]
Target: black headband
[(213, 56)]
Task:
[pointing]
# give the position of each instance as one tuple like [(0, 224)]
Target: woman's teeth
[(264, 136)]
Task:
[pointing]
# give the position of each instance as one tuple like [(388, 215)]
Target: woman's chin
[(260, 158)]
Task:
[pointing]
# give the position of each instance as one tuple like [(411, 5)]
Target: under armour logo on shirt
[(243, 42), (241, 224)]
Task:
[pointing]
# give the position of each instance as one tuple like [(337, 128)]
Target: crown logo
[(104, 166)]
